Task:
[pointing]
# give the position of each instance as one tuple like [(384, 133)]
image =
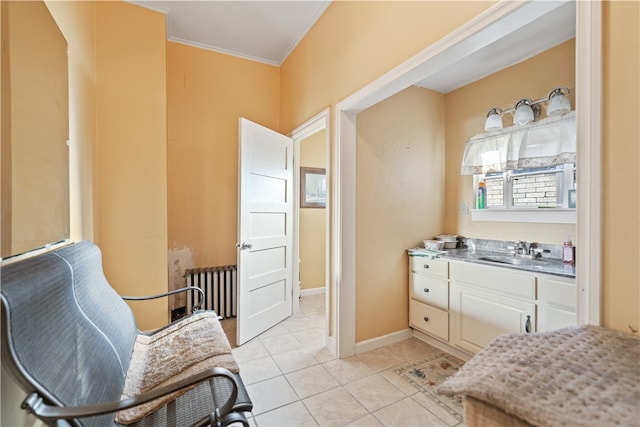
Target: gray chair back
[(66, 333)]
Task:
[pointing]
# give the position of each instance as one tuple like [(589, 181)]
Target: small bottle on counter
[(568, 252), (482, 195)]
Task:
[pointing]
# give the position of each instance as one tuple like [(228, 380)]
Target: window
[(528, 192), (528, 171), (546, 187)]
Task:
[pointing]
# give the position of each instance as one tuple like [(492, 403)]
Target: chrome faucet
[(519, 248), (525, 249)]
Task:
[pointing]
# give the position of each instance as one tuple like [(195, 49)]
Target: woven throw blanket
[(577, 376), (185, 348)]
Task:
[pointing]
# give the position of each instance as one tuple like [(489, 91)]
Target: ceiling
[(534, 33), (267, 31), (262, 30)]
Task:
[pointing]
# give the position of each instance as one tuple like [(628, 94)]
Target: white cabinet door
[(481, 316), (557, 303)]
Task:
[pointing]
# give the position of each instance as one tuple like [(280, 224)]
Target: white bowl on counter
[(450, 240), (435, 245)]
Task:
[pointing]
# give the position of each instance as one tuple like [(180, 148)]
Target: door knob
[(244, 245)]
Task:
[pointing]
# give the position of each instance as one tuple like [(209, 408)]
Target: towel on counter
[(429, 253)]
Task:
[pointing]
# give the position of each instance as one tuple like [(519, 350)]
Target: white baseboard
[(331, 345), (312, 291), (374, 343)]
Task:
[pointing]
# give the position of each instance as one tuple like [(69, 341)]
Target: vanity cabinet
[(429, 296), (466, 305), (489, 301)]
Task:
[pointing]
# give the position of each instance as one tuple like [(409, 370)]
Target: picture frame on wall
[(313, 187)]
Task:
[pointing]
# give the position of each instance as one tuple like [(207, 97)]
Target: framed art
[(313, 187)]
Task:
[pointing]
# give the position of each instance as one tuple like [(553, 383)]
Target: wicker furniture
[(576, 376), (72, 344)]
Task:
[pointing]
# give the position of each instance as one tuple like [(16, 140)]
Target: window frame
[(561, 214)]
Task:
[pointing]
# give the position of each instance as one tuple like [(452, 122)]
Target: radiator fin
[(220, 287)]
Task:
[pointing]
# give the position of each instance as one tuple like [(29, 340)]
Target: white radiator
[(220, 287)]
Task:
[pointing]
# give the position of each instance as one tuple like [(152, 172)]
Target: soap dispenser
[(568, 252)]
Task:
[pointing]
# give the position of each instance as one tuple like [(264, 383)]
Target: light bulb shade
[(524, 113), (558, 104), (494, 120)]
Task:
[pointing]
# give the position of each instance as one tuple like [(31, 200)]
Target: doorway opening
[(311, 257), (456, 48)]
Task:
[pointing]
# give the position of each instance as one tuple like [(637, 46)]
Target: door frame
[(588, 106), (315, 124)]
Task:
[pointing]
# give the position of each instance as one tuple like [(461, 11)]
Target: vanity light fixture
[(494, 120), (526, 111), (558, 102)]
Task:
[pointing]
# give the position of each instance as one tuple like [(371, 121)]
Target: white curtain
[(549, 142)]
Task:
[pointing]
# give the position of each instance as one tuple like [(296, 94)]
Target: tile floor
[(294, 381)]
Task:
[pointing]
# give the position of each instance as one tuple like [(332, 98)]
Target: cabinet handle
[(426, 266), (527, 324), (426, 319), (426, 290)]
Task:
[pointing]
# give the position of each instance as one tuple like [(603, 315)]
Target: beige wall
[(131, 156), (620, 157), (76, 21), (207, 92), (312, 236), (400, 174), (343, 52), (118, 165), (35, 123), (351, 45), (465, 115), (354, 43)]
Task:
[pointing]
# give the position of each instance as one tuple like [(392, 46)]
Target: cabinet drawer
[(434, 267), (496, 279), (430, 290), (558, 292), (429, 319)]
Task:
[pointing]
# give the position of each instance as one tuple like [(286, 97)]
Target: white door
[(265, 213)]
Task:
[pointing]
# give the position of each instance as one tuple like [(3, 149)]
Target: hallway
[(294, 381)]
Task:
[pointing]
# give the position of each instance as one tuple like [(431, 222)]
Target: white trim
[(540, 216), (344, 233), (312, 291), (391, 338), (331, 345), (34, 252), (315, 124), (589, 132), (414, 70)]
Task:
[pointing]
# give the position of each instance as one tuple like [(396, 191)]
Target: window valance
[(548, 142)]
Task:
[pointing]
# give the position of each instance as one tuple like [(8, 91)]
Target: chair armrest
[(166, 294), (34, 403)]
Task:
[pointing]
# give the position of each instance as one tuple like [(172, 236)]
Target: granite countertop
[(543, 265)]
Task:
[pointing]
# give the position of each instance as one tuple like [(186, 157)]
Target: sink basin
[(501, 259), (504, 259)]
